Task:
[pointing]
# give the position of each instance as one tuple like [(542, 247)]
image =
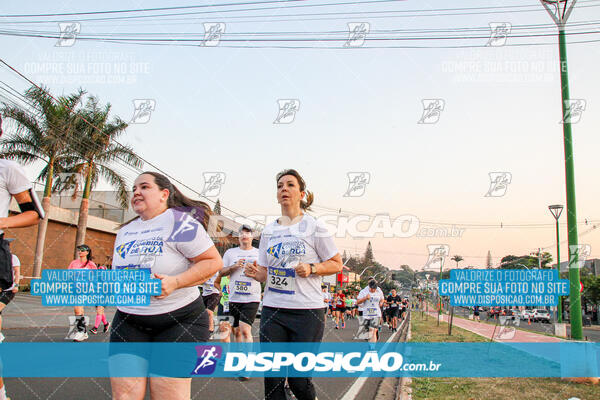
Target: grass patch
[(426, 330)]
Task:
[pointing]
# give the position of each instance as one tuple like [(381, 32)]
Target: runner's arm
[(204, 266), (332, 266), (17, 278), (229, 270), (23, 219)]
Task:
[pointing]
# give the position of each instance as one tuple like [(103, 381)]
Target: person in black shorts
[(170, 229), (394, 301), (340, 309)]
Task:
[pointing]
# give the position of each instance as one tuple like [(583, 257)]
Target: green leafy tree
[(97, 154), (42, 135)]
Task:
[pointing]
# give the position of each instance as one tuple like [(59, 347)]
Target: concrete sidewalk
[(500, 333)]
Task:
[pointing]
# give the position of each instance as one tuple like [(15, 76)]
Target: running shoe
[(80, 336), (94, 331), (343, 325), (1, 337), (243, 378), (106, 327)]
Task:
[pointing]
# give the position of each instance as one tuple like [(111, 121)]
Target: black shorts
[(372, 323), (6, 297), (341, 309), (393, 312), (186, 324), (6, 269), (221, 311), (245, 312), (211, 301)]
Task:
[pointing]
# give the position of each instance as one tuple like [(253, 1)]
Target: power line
[(118, 143)]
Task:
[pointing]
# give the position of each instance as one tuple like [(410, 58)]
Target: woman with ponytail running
[(294, 253)]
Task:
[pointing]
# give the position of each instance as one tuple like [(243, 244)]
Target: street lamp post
[(560, 10), (556, 210)]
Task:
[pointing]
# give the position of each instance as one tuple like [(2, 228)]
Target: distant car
[(541, 315), (527, 314)]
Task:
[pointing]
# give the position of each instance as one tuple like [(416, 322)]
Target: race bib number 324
[(282, 280)]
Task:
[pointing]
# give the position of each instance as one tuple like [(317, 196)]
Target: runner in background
[(394, 301), (210, 297), (13, 183), (224, 312), (295, 252), (372, 300), (326, 299), (78, 331), (100, 316), (348, 304), (340, 308), (245, 292)]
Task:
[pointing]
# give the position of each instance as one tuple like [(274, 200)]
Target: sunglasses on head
[(83, 248)]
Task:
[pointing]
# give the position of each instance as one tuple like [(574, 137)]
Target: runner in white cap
[(244, 296)]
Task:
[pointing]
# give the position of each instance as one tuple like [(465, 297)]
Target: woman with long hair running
[(170, 236), (295, 251)]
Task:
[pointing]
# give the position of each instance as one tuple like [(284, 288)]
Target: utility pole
[(560, 10)]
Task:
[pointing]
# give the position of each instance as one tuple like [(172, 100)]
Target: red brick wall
[(59, 246)]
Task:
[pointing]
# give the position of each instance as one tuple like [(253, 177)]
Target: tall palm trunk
[(83, 210), (43, 225)]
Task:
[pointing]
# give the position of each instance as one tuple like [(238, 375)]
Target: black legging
[(290, 325)]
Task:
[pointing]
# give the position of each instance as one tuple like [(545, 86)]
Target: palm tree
[(457, 259), (42, 135), (97, 152)]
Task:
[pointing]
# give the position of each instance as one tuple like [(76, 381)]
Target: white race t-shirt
[(242, 288), (363, 293), (281, 249), (12, 181), (164, 245), (208, 287), (326, 297), (371, 307)]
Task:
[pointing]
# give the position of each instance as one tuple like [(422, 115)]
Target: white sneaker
[(80, 336), (1, 337)]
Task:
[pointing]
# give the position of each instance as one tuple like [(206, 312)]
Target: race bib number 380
[(242, 287), (282, 280)]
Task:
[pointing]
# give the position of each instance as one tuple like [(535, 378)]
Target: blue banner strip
[(569, 359)]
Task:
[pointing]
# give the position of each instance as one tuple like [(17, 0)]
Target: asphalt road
[(25, 320)]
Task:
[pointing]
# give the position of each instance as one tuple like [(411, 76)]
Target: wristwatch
[(313, 269)]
